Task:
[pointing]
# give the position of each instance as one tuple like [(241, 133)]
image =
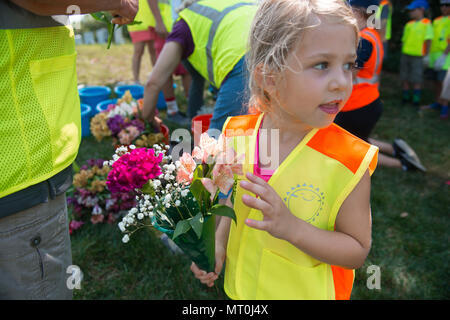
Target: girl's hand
[(278, 220), (209, 278)]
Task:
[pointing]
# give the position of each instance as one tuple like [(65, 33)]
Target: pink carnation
[(133, 170), (127, 135)]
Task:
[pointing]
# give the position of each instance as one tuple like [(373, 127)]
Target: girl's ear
[(265, 80)]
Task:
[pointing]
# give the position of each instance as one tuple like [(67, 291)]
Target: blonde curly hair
[(277, 28)]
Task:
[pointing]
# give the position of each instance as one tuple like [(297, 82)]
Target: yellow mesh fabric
[(40, 111)]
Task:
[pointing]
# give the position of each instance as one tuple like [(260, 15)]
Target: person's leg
[(417, 79), (139, 48), (404, 77), (195, 101), (231, 97), (186, 79), (445, 95), (35, 253), (151, 51), (168, 90), (384, 147), (436, 105), (386, 161)]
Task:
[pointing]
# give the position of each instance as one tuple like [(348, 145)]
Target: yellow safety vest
[(314, 180), (389, 19), (40, 126), (144, 15), (441, 39), (219, 29), (414, 36), (165, 9)]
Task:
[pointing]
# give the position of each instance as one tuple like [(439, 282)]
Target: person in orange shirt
[(364, 107)]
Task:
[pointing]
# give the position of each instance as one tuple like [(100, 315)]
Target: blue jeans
[(232, 95), (195, 101)]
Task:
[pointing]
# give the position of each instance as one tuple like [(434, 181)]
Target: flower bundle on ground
[(91, 201), (123, 122), (178, 198)]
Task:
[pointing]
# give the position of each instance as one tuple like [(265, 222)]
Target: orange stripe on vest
[(341, 145)]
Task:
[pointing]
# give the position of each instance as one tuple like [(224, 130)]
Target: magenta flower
[(133, 170)]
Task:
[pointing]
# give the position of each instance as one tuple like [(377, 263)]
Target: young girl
[(302, 229)]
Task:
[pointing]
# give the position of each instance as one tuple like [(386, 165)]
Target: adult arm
[(160, 28), (126, 9)]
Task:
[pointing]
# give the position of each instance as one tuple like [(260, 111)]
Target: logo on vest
[(306, 197)]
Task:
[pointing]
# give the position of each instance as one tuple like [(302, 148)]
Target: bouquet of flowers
[(123, 122), (91, 201), (178, 198)]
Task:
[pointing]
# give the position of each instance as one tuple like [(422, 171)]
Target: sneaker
[(444, 112), (407, 156), (179, 119), (433, 106), (410, 163)]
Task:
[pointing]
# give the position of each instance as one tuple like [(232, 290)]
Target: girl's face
[(312, 93)]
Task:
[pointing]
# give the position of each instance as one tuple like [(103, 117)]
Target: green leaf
[(223, 210), (148, 189), (100, 16), (134, 23), (182, 227), (197, 224), (198, 173), (111, 28), (75, 167), (196, 189)]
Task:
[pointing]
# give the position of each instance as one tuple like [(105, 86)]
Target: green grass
[(411, 251)]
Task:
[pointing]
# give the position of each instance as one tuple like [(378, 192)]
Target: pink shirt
[(259, 172)]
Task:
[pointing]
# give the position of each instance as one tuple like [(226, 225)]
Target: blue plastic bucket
[(94, 95), (102, 106), (137, 91), (85, 120), (161, 103)]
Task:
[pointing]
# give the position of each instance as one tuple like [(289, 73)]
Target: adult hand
[(209, 278), (126, 12), (277, 217), (440, 62), (156, 124), (161, 30), (426, 60)]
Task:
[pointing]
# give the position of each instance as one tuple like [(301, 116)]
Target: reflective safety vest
[(144, 15), (40, 126), (165, 9), (414, 36), (314, 180), (366, 82), (389, 19), (219, 29), (441, 39)]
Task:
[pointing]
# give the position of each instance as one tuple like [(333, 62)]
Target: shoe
[(179, 119), (444, 112), (410, 163), (433, 106), (407, 156)]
